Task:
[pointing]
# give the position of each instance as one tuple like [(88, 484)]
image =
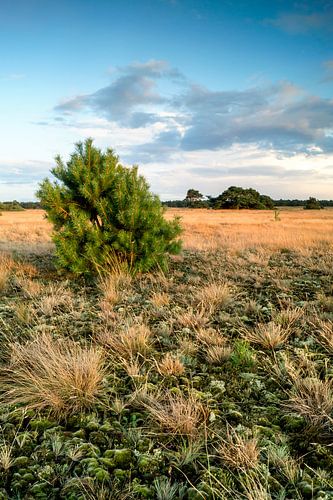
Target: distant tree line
[(238, 198), (234, 198), (16, 206), (302, 203)]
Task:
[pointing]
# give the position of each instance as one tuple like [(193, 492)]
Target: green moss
[(21, 461), (306, 489), (42, 424), (143, 491), (101, 475), (79, 434), (123, 458)]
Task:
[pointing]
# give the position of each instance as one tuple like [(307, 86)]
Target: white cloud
[(274, 137)]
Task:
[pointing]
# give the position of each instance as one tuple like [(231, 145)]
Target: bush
[(236, 197), (312, 204), (103, 212)]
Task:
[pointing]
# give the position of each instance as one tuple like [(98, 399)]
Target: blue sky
[(201, 93)]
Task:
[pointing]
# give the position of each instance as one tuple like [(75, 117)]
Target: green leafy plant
[(103, 212)]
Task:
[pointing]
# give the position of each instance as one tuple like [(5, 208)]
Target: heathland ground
[(214, 380)]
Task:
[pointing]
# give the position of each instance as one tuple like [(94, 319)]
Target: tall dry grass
[(175, 413), (53, 374), (239, 229), (27, 231), (203, 229)]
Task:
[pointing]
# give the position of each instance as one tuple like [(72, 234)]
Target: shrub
[(312, 204), (103, 212), (237, 197)]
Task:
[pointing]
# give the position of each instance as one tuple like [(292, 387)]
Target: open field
[(203, 229), (213, 381), (239, 229)]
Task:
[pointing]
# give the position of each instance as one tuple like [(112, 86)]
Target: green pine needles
[(103, 212)]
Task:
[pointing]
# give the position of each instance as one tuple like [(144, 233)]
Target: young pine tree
[(102, 211)]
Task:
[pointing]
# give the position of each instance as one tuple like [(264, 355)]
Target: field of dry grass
[(26, 230), (203, 229), (240, 229), (213, 381)]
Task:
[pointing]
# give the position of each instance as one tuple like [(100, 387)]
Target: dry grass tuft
[(6, 265), (192, 319), (325, 334), (289, 317), (279, 456), (238, 452), (4, 277), (109, 288), (175, 413), (255, 487), (112, 287), (128, 343), (30, 288), (214, 296), (160, 299), (325, 302), (209, 337), (170, 365), (55, 296), (6, 457), (267, 335), (55, 374), (291, 369), (131, 367), (187, 347), (217, 354), (312, 399), (24, 312)]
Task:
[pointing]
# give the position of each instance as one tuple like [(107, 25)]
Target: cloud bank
[(277, 137), (189, 117)]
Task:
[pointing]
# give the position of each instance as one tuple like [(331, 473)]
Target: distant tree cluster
[(233, 197), (30, 205), (238, 198), (312, 204), (301, 203), (16, 206), (11, 206)]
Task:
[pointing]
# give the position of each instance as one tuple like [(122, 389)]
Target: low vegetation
[(210, 381)]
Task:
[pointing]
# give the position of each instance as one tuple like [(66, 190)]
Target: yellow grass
[(239, 452), (26, 230), (54, 374), (239, 229), (175, 413), (170, 365), (128, 343), (203, 229)]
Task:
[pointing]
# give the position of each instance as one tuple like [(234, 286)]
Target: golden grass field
[(203, 229)]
